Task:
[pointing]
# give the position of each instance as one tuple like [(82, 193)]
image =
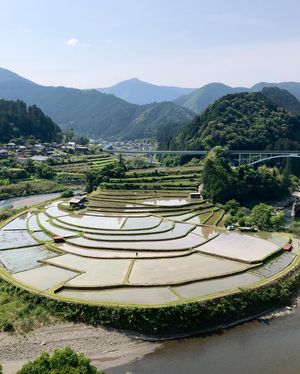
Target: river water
[(27, 201), (271, 347)]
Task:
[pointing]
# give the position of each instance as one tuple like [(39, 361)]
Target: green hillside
[(241, 121), (16, 120), (199, 99), (282, 98), (91, 112)]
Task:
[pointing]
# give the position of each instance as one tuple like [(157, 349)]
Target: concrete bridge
[(252, 157)]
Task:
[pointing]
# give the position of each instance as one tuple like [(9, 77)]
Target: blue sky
[(96, 43)]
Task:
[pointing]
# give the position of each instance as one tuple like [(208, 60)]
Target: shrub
[(67, 193), (62, 361)]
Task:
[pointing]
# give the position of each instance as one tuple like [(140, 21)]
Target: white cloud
[(108, 41), (73, 42)]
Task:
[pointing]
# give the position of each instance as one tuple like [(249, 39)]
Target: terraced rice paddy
[(136, 248)]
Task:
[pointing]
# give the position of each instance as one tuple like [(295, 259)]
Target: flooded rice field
[(151, 259)]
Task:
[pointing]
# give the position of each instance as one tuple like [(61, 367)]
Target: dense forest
[(239, 121), (221, 182), (282, 98), (16, 120)]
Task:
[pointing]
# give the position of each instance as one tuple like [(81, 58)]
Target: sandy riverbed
[(106, 348)]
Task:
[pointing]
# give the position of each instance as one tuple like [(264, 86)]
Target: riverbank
[(106, 347)]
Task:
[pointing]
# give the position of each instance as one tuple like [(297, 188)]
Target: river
[(271, 347), (27, 201)]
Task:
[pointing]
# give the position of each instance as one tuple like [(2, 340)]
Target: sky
[(187, 43)]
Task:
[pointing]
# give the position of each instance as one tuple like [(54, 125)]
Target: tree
[(261, 216), (278, 220), (217, 176), (64, 361), (44, 171)]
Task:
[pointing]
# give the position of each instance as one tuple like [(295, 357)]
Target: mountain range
[(247, 120), (91, 112), (105, 115), (197, 100)]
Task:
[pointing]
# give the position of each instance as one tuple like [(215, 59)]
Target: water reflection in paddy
[(205, 231), (23, 258)]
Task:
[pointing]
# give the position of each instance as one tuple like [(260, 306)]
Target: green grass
[(19, 314)]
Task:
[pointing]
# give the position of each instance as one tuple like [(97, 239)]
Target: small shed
[(195, 195), (58, 239), (287, 247), (77, 201)]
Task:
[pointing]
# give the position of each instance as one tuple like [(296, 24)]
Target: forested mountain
[(199, 99), (292, 87), (16, 120), (91, 112), (282, 98), (240, 121), (138, 92)]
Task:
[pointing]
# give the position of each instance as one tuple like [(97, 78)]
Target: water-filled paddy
[(176, 270), (23, 258), (164, 226), (216, 285), (53, 210), (96, 272), (46, 224), (141, 223), (113, 253), (132, 295), (275, 265), (16, 238), (189, 241), (121, 245), (41, 236), (179, 230), (167, 202), (239, 247), (96, 222), (33, 224), (18, 223), (44, 277)]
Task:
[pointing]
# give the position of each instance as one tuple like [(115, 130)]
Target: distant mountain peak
[(140, 92)]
